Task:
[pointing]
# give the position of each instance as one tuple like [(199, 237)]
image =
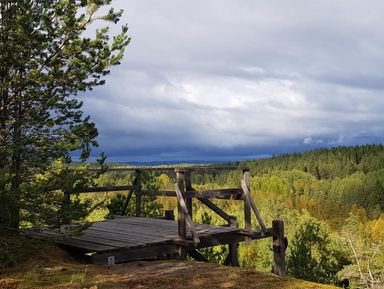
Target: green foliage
[(258, 255), (213, 254), (43, 202), (46, 59), (365, 243), (149, 206), (312, 256)]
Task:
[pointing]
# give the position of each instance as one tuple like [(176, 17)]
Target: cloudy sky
[(227, 80)]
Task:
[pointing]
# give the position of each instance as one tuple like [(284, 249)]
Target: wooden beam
[(209, 168), (128, 198), (220, 239), (232, 247), (247, 207), (173, 168), (181, 212), (169, 215), (216, 209), (124, 210), (187, 217), (253, 205), (188, 187), (258, 234), (137, 193), (155, 252), (279, 247), (232, 193)]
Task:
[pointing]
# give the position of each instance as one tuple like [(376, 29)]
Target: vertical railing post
[(181, 219), (279, 247), (247, 206), (233, 253), (188, 187), (138, 193)]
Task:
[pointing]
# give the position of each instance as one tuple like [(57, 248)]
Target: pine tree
[(45, 60)]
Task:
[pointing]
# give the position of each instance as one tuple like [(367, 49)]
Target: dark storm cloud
[(239, 79)]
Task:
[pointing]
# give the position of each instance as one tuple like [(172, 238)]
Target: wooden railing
[(185, 192)]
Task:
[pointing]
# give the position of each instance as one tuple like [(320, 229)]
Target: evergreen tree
[(45, 60), (312, 256)]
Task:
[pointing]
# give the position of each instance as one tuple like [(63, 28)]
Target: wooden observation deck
[(136, 238)]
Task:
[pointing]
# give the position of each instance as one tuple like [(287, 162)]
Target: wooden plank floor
[(132, 233)]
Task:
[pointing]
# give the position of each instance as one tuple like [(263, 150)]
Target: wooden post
[(138, 195), (169, 215), (247, 207), (234, 258), (279, 247), (188, 187), (181, 218)]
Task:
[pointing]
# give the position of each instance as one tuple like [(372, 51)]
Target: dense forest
[(331, 201)]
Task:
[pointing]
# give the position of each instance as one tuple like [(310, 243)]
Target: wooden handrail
[(216, 209), (232, 193), (175, 168)]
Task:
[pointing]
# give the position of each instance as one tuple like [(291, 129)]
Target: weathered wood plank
[(100, 241), (187, 217), (253, 205), (215, 208), (247, 207), (188, 187), (191, 168), (143, 237), (125, 235), (137, 193), (85, 246), (279, 247), (258, 234), (149, 252), (233, 246), (226, 194), (111, 236)]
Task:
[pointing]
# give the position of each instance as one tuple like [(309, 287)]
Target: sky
[(224, 80)]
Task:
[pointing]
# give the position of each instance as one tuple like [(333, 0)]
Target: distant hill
[(324, 163)]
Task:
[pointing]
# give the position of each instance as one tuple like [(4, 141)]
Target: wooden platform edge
[(158, 252)]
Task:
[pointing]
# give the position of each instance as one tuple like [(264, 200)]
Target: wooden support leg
[(279, 247), (182, 253), (138, 196), (169, 215), (232, 247), (188, 187)]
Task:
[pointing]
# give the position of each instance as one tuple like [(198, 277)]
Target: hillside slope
[(54, 268)]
